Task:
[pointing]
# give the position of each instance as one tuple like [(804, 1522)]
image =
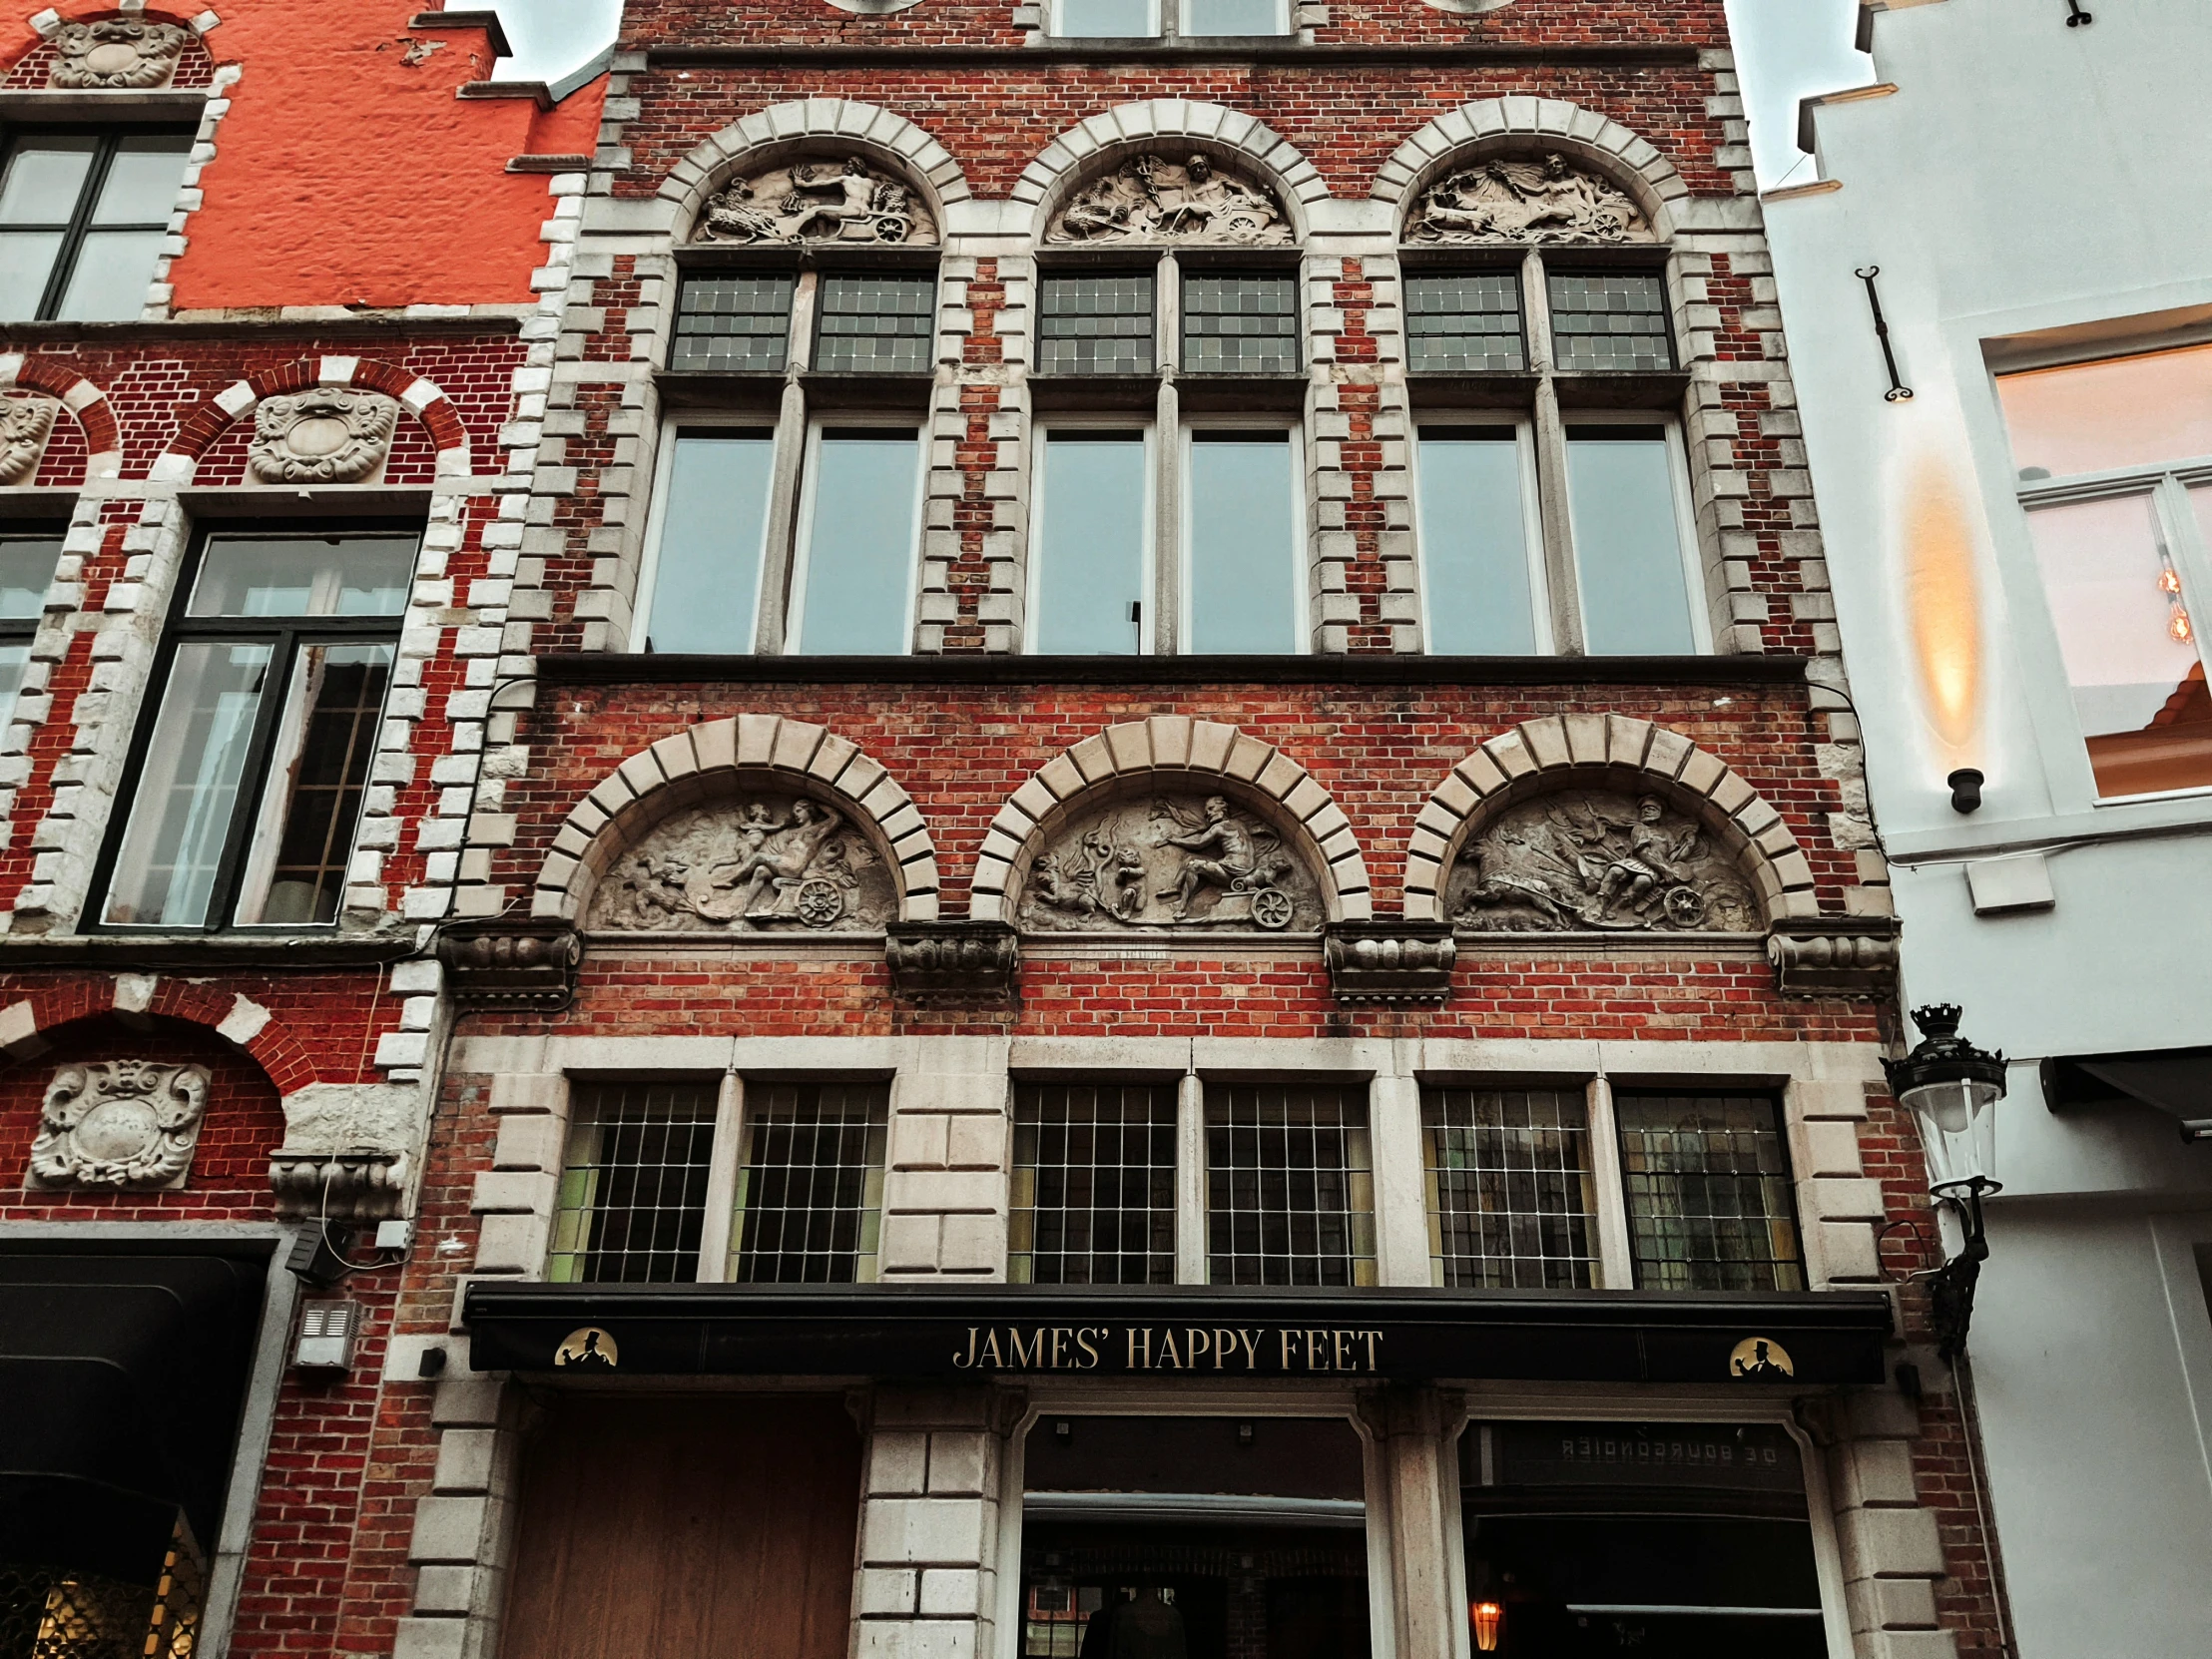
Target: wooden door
[(686, 1526)]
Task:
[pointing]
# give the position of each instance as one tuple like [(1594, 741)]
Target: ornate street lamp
[(1952, 1089)]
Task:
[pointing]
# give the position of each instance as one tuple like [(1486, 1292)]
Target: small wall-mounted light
[(327, 1329), (1966, 790), (1486, 1616)]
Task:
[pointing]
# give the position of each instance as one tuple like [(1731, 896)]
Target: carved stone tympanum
[(817, 202), (1185, 860), (330, 435), (1542, 201), (117, 54), (1596, 861), (760, 863), (25, 425), (1151, 199), (118, 1123)]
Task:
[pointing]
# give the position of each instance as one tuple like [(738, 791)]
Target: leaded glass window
[(733, 323), (1708, 1189), (1095, 325), (1511, 1203), (876, 325), (1290, 1186), (1240, 324), (810, 1199), (1609, 322), (1465, 323), (1094, 1185), (633, 1196)]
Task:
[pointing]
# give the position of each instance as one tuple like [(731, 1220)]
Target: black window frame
[(1432, 270), (1235, 271), (1572, 268), (22, 630), (109, 139), (286, 635)]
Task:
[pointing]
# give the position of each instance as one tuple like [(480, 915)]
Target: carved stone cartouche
[(25, 425), (851, 202), (119, 1124), (1513, 201), (1151, 199), (1186, 860), (757, 863), (330, 435), (1598, 860), (117, 54)]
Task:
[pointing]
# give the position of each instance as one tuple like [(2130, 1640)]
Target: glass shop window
[(83, 216), (703, 592), (632, 1204), (1587, 1540), (1482, 558), (1513, 1204), (1708, 1186), (1091, 521), (1194, 1539), (809, 1201), (1093, 1185), (25, 572), (1096, 324), (853, 583), (248, 786), (1290, 1186), (1628, 541)]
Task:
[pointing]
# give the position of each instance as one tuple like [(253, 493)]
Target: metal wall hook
[(1898, 391), (2076, 17)]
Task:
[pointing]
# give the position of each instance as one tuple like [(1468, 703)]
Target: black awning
[(121, 1380), (972, 1331), (2176, 1081)]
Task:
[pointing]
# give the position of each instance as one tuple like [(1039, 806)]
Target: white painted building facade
[(2019, 552)]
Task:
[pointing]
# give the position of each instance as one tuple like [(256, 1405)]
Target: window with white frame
[(2114, 463), (796, 526), (247, 784), (27, 564), (1545, 364), (1091, 539), (757, 1183), (1166, 19), (83, 216)]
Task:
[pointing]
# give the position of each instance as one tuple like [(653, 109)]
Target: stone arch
[(679, 769), (1500, 124), (424, 399), (789, 128), (84, 401), (1171, 747), (238, 1020), (1539, 755), (194, 72), (1095, 143)]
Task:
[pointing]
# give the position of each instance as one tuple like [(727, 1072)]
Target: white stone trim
[(81, 396), (671, 771), (161, 294), (1173, 748)]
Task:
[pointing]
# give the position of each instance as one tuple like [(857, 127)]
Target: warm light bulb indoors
[(1488, 1616)]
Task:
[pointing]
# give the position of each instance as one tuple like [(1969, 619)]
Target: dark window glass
[(1709, 1205), (633, 1197), (82, 221), (1095, 325), (1240, 324), (1290, 1187), (811, 1184), (1609, 323), (876, 325), (1094, 1185), (1509, 1194), (1465, 324), (733, 323)]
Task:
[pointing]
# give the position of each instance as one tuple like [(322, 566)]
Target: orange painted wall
[(346, 176)]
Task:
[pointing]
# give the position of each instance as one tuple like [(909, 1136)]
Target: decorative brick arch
[(1097, 142), (83, 399), (1537, 122), (424, 399), (192, 73), (676, 773), (1540, 754), (1172, 749), (243, 1023), (807, 124)]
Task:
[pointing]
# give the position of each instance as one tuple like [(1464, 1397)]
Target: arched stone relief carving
[(1167, 825), (748, 825), (1151, 198), (769, 140), (852, 201), (26, 425), (116, 54), (1602, 824), (121, 1124), (1541, 199), (327, 435)]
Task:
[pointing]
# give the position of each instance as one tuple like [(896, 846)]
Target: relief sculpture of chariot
[(1177, 862), (762, 863), (1593, 860)]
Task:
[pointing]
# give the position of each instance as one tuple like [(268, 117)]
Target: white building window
[(1156, 19), (2115, 471), (1481, 548), (709, 540), (83, 216), (1244, 541), (1091, 527), (855, 576)]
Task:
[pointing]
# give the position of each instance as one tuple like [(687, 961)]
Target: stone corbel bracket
[(512, 962), (359, 1184), (1391, 960), (953, 962), (1846, 957)]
